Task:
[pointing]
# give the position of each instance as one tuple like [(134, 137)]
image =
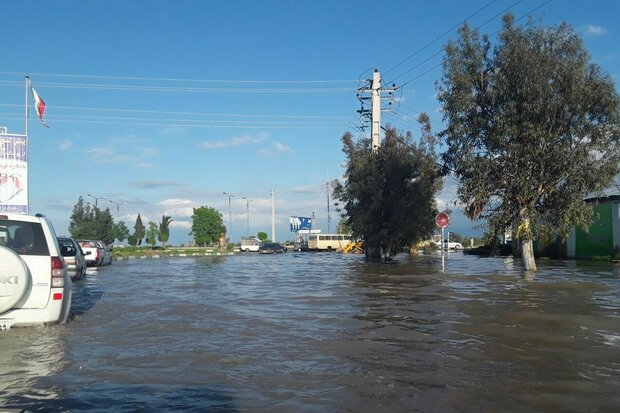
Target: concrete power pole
[(375, 130), (377, 94), (273, 215)]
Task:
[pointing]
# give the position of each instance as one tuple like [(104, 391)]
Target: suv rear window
[(25, 238)]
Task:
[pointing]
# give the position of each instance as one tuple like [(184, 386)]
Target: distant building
[(603, 238)]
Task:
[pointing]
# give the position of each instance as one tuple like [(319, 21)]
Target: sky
[(158, 107)]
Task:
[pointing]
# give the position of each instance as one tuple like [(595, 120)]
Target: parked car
[(451, 245), (290, 245), (94, 253), (35, 287), (105, 253), (271, 248), (74, 257)]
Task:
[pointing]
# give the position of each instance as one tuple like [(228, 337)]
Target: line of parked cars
[(253, 244), (37, 270)]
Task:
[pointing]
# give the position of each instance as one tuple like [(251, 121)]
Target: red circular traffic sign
[(442, 220)]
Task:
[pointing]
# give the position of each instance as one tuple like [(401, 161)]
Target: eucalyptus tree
[(532, 128), (388, 197)]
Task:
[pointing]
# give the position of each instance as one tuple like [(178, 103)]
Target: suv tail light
[(58, 274)]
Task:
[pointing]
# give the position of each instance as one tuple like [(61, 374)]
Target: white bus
[(328, 241)]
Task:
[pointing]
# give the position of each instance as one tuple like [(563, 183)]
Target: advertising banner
[(300, 223), (14, 173)]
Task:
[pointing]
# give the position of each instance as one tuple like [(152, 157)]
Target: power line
[(229, 121), (163, 79), (145, 88), (493, 34), (438, 37), (179, 123), (241, 115)]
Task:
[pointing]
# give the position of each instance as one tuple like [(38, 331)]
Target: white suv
[(34, 285)]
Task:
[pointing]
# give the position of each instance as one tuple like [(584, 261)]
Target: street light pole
[(229, 214), (96, 198), (117, 205), (247, 206)]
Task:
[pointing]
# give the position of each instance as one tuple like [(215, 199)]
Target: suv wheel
[(14, 279)]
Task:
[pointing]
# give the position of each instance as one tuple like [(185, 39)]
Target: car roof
[(19, 217)]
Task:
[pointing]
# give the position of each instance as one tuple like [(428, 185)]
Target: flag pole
[(27, 148), (27, 97)]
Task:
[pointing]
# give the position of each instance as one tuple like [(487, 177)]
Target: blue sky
[(163, 106)]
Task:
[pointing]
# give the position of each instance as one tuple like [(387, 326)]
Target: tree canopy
[(88, 222), (139, 232), (388, 198), (120, 231), (207, 225), (532, 128), (152, 233), (164, 230)]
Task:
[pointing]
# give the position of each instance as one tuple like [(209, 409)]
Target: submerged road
[(325, 333)]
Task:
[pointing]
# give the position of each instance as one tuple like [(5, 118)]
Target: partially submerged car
[(271, 248), (74, 257), (35, 287)]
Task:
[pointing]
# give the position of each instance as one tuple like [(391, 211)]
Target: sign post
[(442, 220)]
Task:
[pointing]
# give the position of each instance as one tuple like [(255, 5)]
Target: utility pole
[(229, 216), (376, 95), (247, 210), (273, 215)]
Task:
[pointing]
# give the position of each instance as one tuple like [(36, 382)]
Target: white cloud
[(275, 148), (596, 30), (65, 145), (180, 212), (171, 202), (138, 157), (181, 224), (237, 141)]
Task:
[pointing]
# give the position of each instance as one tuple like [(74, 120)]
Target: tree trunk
[(527, 255), (373, 253), (524, 234)]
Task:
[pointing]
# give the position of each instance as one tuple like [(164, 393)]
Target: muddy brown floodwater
[(314, 332)]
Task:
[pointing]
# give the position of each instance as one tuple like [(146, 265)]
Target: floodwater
[(314, 332)]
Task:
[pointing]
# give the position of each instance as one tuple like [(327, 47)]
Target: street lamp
[(247, 205), (117, 204), (229, 215), (96, 198)]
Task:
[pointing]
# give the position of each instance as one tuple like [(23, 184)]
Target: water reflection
[(28, 356), (486, 338)]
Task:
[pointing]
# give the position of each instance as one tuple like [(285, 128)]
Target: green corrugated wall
[(599, 240)]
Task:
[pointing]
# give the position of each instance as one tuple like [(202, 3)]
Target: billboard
[(300, 223), (14, 173)]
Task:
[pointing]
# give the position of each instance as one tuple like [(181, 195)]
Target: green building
[(603, 238)]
